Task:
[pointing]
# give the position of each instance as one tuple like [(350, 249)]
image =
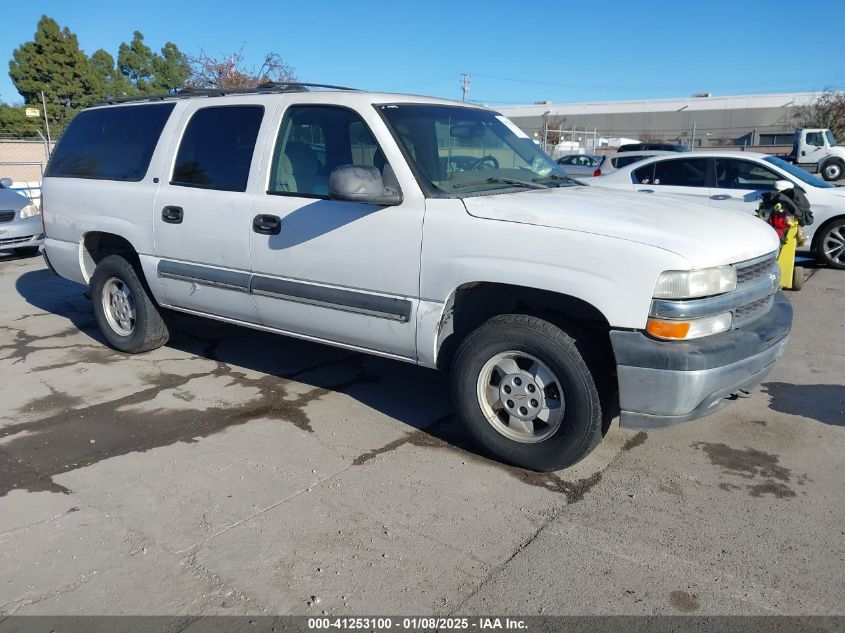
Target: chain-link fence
[(23, 161), (559, 141)]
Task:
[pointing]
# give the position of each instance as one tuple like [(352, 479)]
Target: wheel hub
[(521, 396)]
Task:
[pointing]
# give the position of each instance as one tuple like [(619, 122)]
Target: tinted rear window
[(216, 150), (110, 143)]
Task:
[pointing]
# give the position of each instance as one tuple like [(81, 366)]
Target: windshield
[(799, 173), (462, 151), (830, 139)]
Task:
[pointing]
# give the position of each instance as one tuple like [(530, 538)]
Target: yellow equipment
[(791, 276)]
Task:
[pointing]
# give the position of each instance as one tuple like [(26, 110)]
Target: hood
[(703, 235)]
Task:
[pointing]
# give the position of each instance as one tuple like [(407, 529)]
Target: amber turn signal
[(668, 329)]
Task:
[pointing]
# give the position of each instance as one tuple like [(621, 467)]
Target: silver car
[(581, 165), (20, 221)]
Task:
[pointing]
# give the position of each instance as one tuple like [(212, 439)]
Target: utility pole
[(465, 84), (46, 122)]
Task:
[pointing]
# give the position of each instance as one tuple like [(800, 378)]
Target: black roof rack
[(269, 87)]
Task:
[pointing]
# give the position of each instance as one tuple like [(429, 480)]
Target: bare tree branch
[(828, 111), (229, 71)]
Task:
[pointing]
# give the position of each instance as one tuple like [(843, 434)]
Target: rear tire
[(124, 309), (515, 366), (830, 245)]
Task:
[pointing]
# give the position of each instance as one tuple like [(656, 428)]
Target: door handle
[(267, 224), (172, 215), (646, 190), (721, 196)]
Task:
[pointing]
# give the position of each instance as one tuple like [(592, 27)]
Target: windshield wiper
[(504, 181), (556, 177)]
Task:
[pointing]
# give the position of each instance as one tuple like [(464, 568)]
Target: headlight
[(689, 284), (691, 328), (29, 211)]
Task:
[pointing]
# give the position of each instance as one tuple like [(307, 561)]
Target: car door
[(683, 177), (740, 184), (202, 213), (338, 271)]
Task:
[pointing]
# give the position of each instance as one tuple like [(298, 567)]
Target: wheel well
[(472, 304), (96, 245), (822, 228)]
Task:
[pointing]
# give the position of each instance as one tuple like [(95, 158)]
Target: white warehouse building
[(760, 121)]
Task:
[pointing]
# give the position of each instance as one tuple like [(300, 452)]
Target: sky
[(515, 52)]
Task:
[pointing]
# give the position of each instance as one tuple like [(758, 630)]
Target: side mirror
[(6, 183), (357, 183), (784, 185)]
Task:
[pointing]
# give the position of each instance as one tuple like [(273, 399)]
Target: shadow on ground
[(825, 403), (275, 368)]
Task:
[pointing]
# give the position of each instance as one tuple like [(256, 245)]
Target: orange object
[(668, 329)]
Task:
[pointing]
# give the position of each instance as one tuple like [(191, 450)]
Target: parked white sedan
[(736, 181)]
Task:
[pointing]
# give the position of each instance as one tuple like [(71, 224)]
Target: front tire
[(127, 315), (524, 391), (26, 251), (830, 245)]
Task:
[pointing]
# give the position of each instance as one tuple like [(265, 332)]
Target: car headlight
[(672, 330), (690, 284), (29, 211)]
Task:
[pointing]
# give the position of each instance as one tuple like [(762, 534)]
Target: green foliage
[(14, 122), (151, 73), (108, 79), (53, 63)]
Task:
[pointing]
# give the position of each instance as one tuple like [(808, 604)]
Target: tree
[(555, 129), (230, 71), (53, 63), (108, 79), (148, 72), (14, 122), (826, 111)]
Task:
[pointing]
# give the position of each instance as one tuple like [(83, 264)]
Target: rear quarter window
[(115, 143)]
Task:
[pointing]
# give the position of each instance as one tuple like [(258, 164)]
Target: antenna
[(465, 84)]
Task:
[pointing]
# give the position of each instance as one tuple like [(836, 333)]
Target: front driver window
[(744, 174), (312, 141)]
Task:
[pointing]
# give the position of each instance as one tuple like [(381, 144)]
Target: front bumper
[(666, 382), (21, 233)]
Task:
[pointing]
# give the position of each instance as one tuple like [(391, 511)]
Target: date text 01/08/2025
[(415, 623)]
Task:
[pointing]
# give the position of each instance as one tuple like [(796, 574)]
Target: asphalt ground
[(237, 472)]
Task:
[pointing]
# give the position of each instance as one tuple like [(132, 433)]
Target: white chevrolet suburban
[(423, 230)]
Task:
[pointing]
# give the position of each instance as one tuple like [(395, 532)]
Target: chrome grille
[(754, 268), (7, 216), (16, 240), (750, 311)]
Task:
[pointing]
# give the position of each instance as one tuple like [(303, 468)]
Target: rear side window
[(688, 172), (114, 143), (623, 161), (217, 147)]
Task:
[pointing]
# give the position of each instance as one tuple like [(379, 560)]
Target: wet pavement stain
[(684, 601), (34, 452), (776, 489), (445, 433), (637, 440), (750, 463)]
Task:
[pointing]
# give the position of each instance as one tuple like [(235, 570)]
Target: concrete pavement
[(234, 471)]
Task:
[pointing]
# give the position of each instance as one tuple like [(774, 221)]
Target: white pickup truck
[(423, 230)]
